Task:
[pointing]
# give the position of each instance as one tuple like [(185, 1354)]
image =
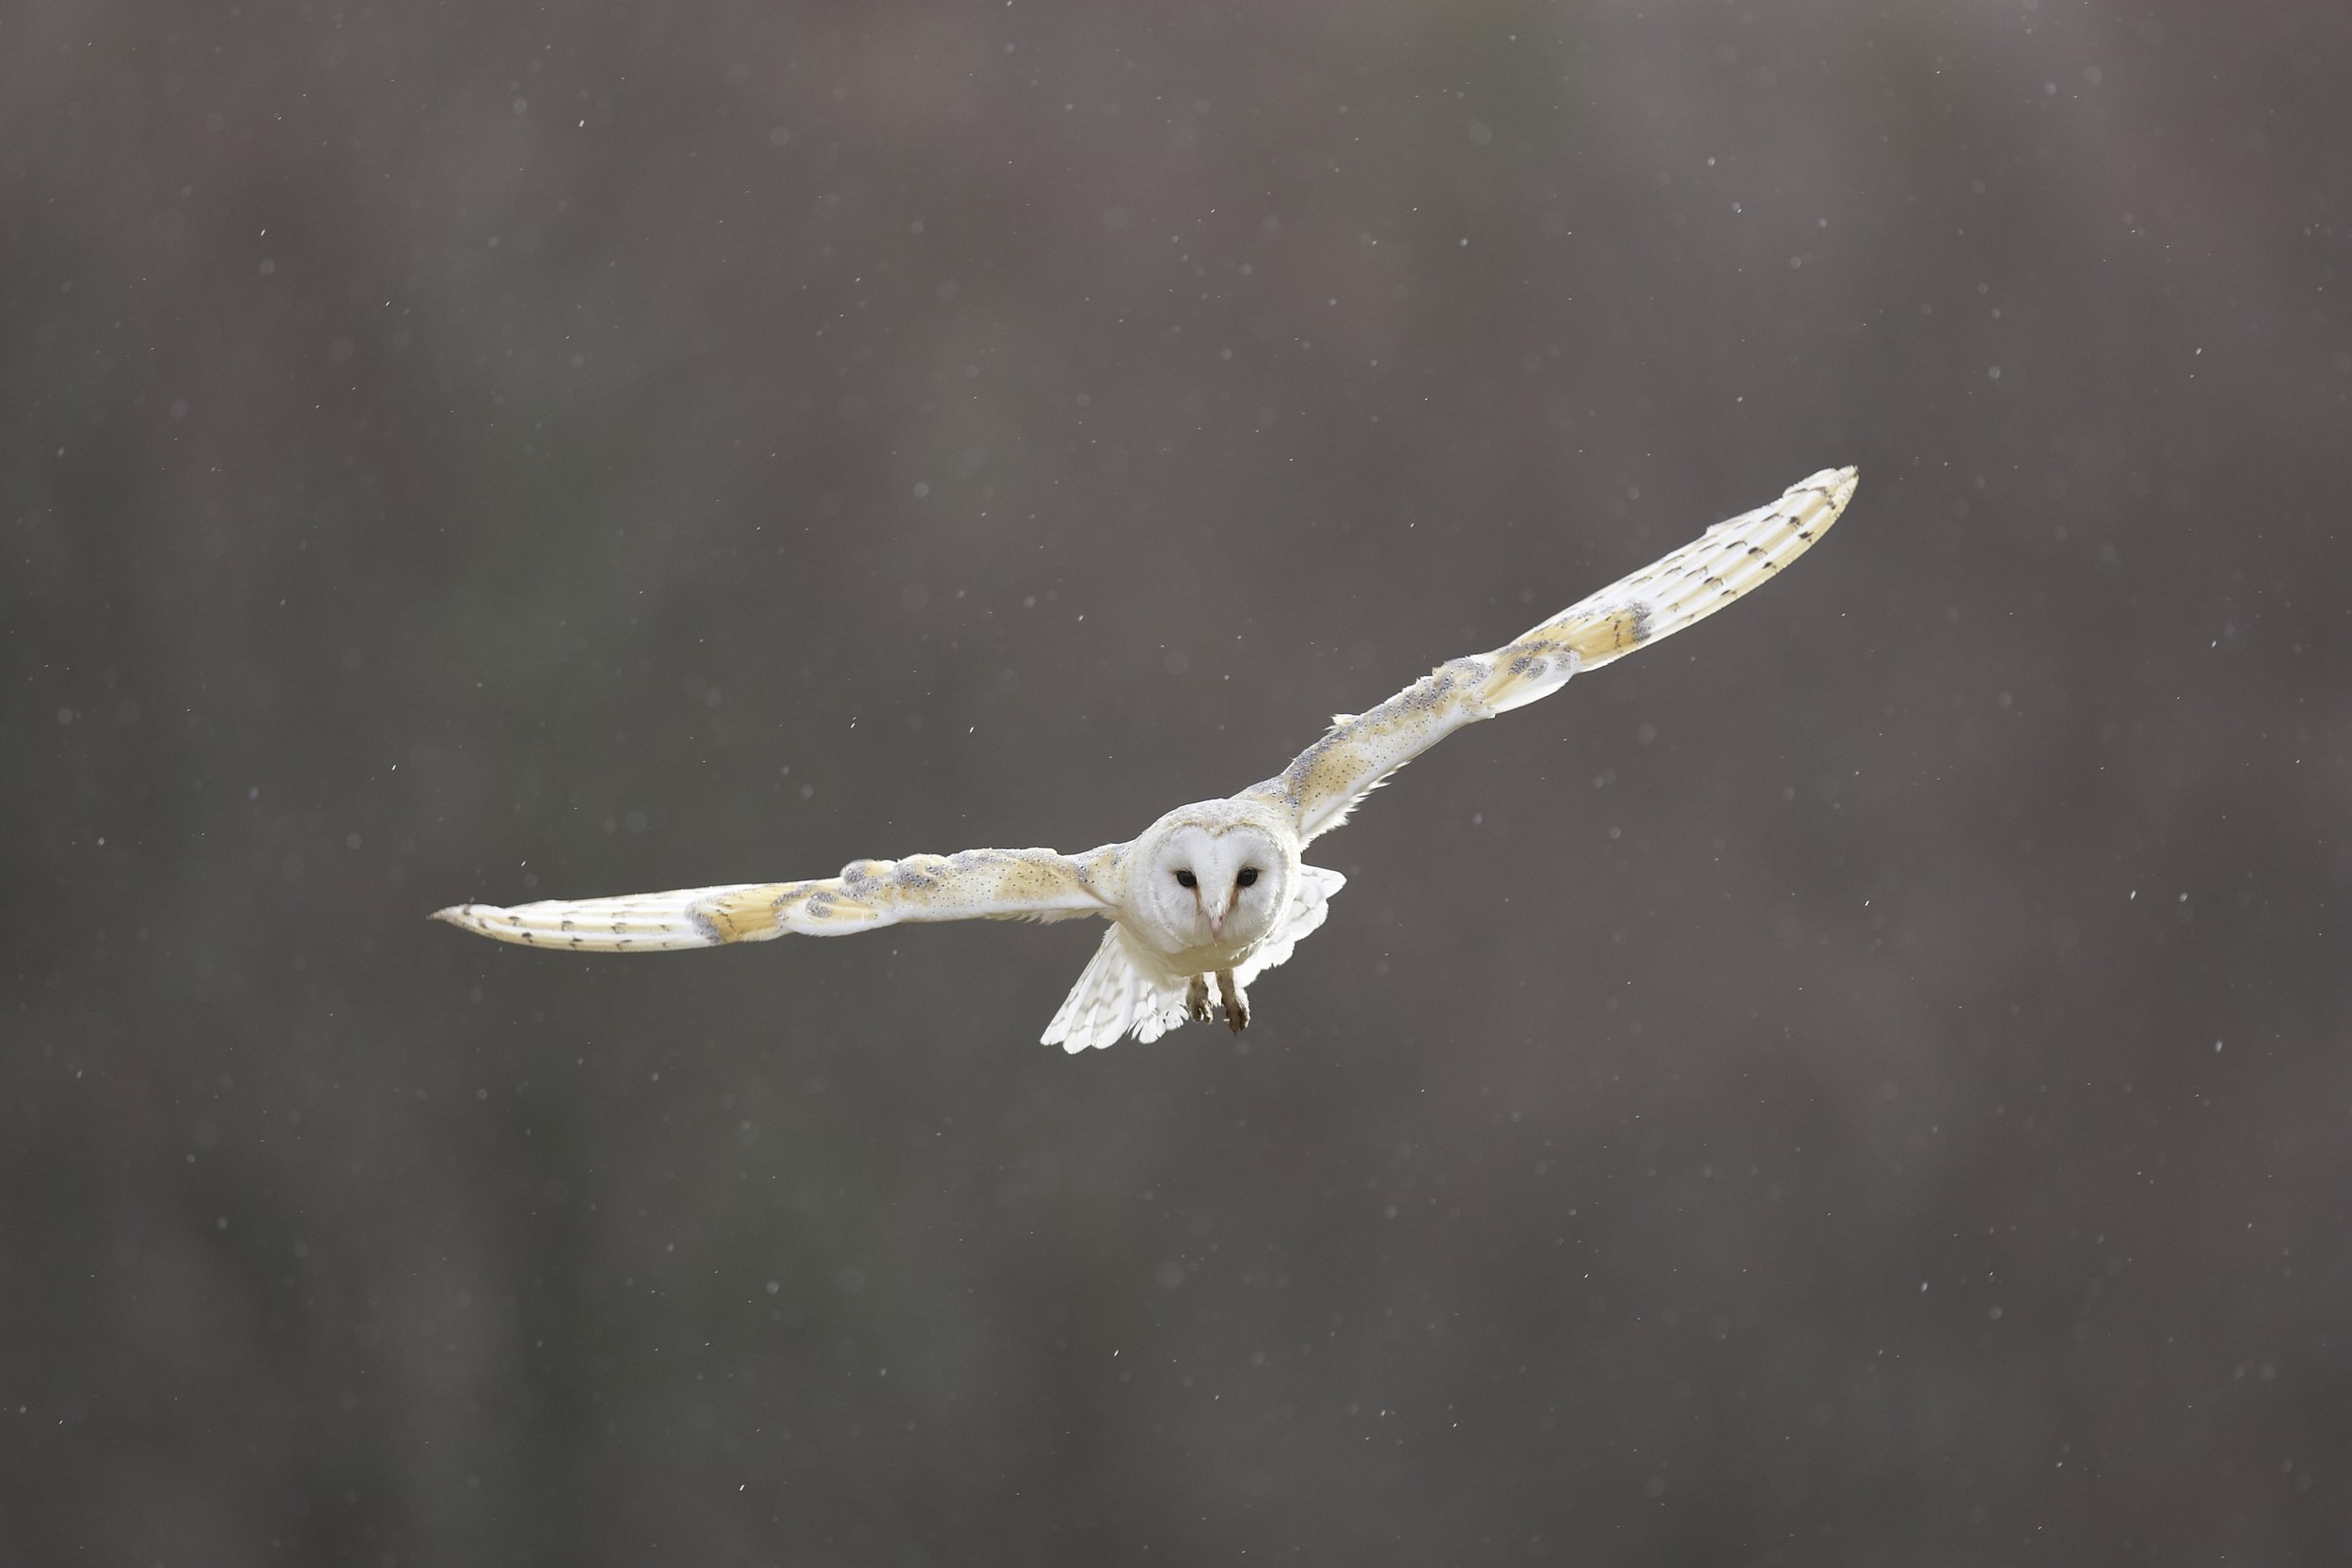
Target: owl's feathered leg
[(1197, 999), (1235, 999)]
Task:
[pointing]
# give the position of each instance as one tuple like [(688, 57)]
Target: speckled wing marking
[(977, 884), (1327, 779)]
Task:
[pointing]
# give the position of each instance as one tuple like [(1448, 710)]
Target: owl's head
[(1210, 876)]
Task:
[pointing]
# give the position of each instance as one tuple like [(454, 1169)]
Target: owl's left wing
[(1327, 779), (977, 884)]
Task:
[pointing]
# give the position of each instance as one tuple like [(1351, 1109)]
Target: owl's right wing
[(977, 884), (1326, 780)]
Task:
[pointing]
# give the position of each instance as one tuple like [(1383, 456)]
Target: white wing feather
[(1123, 989), (977, 884), (1308, 908), (1327, 779)]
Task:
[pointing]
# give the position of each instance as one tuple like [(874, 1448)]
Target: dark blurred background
[(1865, 1083)]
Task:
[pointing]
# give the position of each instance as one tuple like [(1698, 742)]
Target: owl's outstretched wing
[(977, 884), (1327, 779)]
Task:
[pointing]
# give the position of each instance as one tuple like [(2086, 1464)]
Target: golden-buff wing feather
[(1326, 780), (977, 884)]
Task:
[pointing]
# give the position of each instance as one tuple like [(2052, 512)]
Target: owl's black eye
[(1184, 879), (1249, 875)]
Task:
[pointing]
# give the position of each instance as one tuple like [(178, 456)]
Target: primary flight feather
[(1212, 895)]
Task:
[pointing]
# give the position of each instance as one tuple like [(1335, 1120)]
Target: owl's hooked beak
[(1217, 921)]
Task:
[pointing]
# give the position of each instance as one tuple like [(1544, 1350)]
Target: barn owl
[(1213, 894)]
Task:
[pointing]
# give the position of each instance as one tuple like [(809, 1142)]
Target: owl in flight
[(1214, 893)]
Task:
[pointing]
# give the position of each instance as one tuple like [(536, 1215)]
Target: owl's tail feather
[(1115, 996)]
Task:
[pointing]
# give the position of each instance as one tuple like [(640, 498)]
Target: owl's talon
[(1197, 999), (1235, 999)]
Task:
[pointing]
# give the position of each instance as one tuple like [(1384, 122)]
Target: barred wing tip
[(641, 922), (1836, 486)]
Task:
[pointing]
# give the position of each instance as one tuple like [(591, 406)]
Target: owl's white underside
[(1212, 894)]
